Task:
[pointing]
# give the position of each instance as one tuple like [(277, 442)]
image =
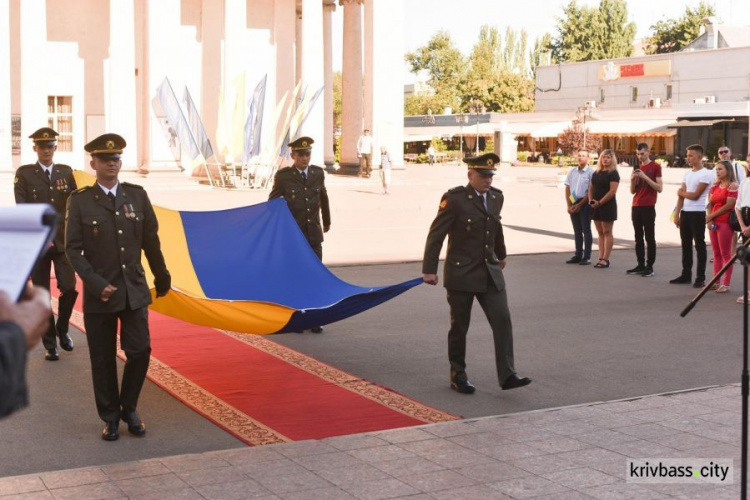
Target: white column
[(312, 73), (6, 162), (328, 7), (351, 106), (369, 73), (143, 79), (385, 103), (33, 61), (119, 91), (283, 35)]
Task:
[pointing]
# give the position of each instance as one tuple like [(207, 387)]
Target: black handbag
[(733, 222)]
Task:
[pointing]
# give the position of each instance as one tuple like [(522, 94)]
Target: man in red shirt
[(645, 184)]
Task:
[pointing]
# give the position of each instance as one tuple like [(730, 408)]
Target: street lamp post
[(582, 113), (475, 106), (461, 118)]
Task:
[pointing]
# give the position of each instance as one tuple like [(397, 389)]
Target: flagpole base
[(351, 169)]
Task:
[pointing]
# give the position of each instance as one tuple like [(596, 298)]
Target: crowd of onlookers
[(716, 200)]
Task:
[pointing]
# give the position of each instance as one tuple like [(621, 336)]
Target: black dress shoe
[(51, 354), (681, 280), (573, 260), (66, 342), (317, 329), (135, 425), (464, 387), (111, 431), (514, 382), (699, 284)]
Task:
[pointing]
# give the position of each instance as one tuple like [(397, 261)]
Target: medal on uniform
[(129, 211), (95, 230), (33, 194)]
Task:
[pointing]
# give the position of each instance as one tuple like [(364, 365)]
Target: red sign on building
[(627, 70)]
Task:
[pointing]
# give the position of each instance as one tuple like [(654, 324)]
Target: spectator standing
[(645, 184), (576, 197), (385, 167), (690, 217), (431, 154), (364, 153), (602, 198), (721, 201), (739, 171), (742, 207)]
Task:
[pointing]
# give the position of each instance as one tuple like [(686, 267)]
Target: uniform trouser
[(644, 219), (495, 306), (693, 230), (365, 164), (101, 330), (66, 283)]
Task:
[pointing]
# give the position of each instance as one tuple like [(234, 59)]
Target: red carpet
[(263, 392)]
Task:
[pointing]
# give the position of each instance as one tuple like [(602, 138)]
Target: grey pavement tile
[(183, 463), (295, 482), (722, 450), (654, 414), (234, 490), (634, 405), (584, 477), (75, 477), (21, 484), (623, 491), (331, 493), (457, 459), (544, 417), (90, 492), (527, 433), (199, 477), (514, 452), (352, 474), (303, 448), (683, 441), (724, 418), (457, 428), (476, 492), (613, 420), (436, 481), (355, 442), (283, 467), (641, 449), (604, 436), (488, 473), (33, 495), (568, 495), (558, 445), (480, 441), (722, 433), (180, 494), (149, 484), (647, 430), (142, 468), (240, 456), (381, 453), (528, 487), (397, 436), (584, 412), (543, 463), (687, 424), (685, 490), (692, 409), (376, 490), (734, 390), (694, 396), (592, 456), (328, 461), (571, 428), (500, 423), (408, 466), (728, 404), (615, 469)]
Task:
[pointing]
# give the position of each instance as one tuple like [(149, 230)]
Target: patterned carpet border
[(369, 390)]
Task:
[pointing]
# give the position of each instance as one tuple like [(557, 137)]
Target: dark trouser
[(101, 330), (582, 231), (365, 164), (317, 248), (644, 219), (693, 229), (66, 283), (495, 306)]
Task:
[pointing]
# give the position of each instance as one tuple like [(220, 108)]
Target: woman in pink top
[(721, 200)]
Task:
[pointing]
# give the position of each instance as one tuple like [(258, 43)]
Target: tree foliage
[(672, 35), (444, 64), (572, 140), (337, 98), (593, 33)]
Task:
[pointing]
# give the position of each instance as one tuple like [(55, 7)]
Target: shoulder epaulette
[(457, 189), (493, 188), (26, 167), (315, 166), (81, 190), (62, 165), (129, 184)]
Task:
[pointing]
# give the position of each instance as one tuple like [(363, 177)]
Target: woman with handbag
[(602, 191), (721, 201), (742, 212)]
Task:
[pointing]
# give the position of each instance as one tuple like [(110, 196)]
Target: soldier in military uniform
[(109, 224), (49, 182), (470, 216), (303, 187)]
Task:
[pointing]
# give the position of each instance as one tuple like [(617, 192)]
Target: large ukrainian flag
[(250, 270)]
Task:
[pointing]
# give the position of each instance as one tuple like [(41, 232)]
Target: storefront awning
[(551, 129), (634, 128), (696, 123), (417, 134)]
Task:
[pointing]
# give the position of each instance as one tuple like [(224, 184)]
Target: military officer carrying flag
[(49, 182), (470, 217), (109, 225)]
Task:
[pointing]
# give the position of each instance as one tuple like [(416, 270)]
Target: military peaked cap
[(484, 164), (45, 136), (106, 146), (302, 144)]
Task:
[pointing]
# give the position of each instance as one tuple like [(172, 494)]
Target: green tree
[(540, 55), (591, 33), (444, 64), (672, 35), (337, 93), (572, 140)]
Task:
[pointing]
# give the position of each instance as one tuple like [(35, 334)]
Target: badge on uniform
[(129, 211), (33, 194), (15, 181), (95, 230), (443, 204)]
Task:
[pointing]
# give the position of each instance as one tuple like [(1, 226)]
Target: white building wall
[(6, 163)]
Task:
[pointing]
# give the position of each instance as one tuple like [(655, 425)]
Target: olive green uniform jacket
[(307, 200)]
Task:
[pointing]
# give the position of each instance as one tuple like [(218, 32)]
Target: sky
[(463, 19)]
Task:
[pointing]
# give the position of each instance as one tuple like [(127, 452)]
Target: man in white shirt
[(364, 153), (690, 217), (577, 198), (739, 171)]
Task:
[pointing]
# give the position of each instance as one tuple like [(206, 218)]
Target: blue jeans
[(582, 231)]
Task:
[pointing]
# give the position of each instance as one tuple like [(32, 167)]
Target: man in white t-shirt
[(690, 216)]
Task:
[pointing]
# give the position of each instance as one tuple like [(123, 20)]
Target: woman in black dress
[(602, 192)]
